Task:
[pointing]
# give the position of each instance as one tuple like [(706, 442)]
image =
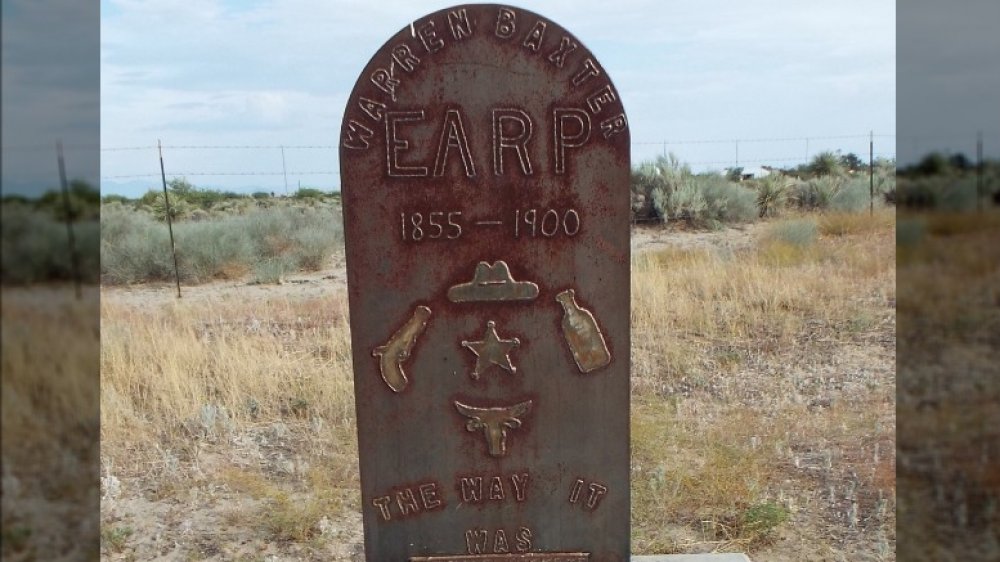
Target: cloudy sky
[(49, 74), (226, 72)]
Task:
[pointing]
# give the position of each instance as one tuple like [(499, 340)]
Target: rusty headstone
[(485, 168)]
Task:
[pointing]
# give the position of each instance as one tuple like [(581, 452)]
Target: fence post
[(979, 171), (871, 173), (73, 258), (284, 171), (170, 227)]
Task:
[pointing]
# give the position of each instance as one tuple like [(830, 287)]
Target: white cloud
[(282, 70)]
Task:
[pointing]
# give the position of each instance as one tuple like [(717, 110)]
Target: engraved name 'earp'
[(513, 134)]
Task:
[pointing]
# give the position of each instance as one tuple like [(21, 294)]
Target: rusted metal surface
[(485, 166)]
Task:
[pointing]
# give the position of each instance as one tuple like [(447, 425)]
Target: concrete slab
[(727, 557)]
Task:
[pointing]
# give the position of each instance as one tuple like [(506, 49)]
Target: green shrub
[(816, 194), (909, 232), (772, 194), (958, 194), (664, 175), (705, 200), (920, 193), (309, 193), (35, 247), (826, 164), (853, 196), (134, 247), (759, 522), (798, 232), (268, 242)]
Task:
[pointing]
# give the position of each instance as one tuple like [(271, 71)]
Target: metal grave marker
[(485, 168)]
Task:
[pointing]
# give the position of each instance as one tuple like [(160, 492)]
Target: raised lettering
[(429, 37), (476, 539), (382, 503), (458, 21), (406, 502), (500, 545), (472, 489), (566, 46), (453, 135), (566, 136), (597, 492), (614, 125), (404, 57), (357, 136), (372, 108), (520, 482), (533, 40), (522, 539), (384, 81), (574, 493), (429, 496), (588, 71), (395, 145), (496, 488), (511, 129), (505, 23), (603, 96)]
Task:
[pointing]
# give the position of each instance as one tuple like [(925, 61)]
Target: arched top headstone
[(484, 172)]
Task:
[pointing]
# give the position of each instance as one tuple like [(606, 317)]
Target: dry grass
[(249, 399), (843, 224), (261, 360), (763, 407), (949, 329), (50, 362), (751, 390)]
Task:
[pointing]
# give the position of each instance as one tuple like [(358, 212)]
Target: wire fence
[(287, 167)]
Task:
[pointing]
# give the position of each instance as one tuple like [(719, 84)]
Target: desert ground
[(763, 375)]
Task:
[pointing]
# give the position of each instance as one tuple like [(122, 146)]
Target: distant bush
[(853, 196), (268, 242), (114, 198), (663, 175), (309, 193), (667, 190), (816, 194), (772, 194), (35, 247), (706, 200), (909, 232), (958, 194), (798, 232)]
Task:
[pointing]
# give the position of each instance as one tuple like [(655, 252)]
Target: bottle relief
[(582, 333)]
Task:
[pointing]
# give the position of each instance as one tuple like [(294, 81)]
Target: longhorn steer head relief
[(494, 423)]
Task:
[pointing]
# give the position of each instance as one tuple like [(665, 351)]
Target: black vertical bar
[(170, 227), (871, 173), (73, 258), (979, 171)]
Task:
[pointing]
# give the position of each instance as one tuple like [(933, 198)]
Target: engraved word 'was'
[(499, 541)]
